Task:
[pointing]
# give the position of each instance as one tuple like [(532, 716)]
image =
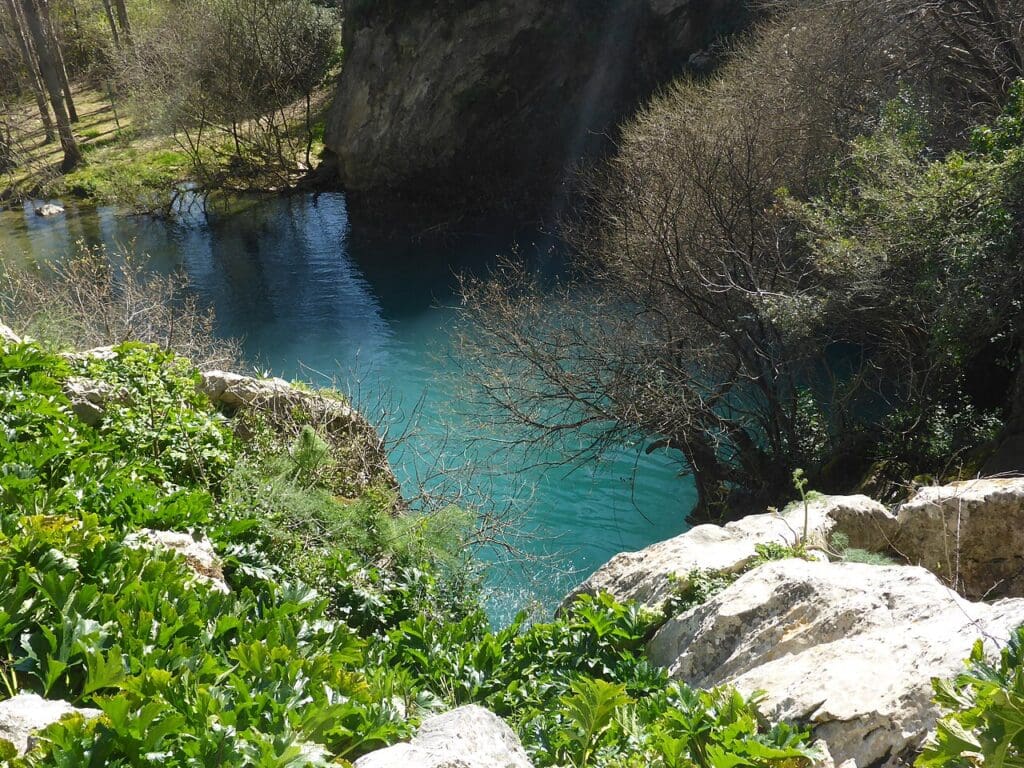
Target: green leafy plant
[(984, 720)]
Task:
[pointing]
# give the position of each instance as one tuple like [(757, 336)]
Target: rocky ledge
[(848, 649)]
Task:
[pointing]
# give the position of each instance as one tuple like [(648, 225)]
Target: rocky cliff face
[(847, 649), (449, 104)]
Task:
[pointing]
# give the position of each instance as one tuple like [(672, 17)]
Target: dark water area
[(318, 299)]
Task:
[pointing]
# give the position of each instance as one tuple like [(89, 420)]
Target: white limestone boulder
[(971, 534), (234, 389), (7, 334), (287, 407), (644, 575), (849, 649), (467, 737), (24, 715), (197, 550)]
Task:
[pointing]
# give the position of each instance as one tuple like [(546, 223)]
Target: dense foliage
[(984, 724), (275, 672)]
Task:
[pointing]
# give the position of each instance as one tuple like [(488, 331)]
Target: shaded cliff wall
[(448, 105)]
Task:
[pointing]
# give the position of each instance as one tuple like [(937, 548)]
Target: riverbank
[(317, 646), (316, 297), (139, 167)]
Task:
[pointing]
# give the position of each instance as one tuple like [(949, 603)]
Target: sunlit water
[(316, 301)]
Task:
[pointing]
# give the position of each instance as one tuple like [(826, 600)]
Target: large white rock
[(27, 713), (49, 209), (644, 575), (234, 389), (467, 737), (281, 402), (197, 551), (850, 649), (7, 334), (971, 534)]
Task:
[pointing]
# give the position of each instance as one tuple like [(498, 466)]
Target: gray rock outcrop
[(88, 397), (644, 575), (332, 416), (22, 716), (448, 105), (467, 737), (849, 649), (49, 209), (971, 534)]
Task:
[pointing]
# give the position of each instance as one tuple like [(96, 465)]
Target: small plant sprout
[(800, 483)]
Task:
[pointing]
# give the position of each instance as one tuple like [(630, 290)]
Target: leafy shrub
[(983, 724), (701, 584)]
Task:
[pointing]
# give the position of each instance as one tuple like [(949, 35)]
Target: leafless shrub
[(98, 298), (693, 318)]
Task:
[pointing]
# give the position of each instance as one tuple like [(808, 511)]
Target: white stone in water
[(48, 209)]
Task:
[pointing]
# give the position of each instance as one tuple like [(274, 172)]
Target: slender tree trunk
[(47, 68), (113, 24), (30, 66), (6, 145), (122, 18), (309, 132), (58, 55)]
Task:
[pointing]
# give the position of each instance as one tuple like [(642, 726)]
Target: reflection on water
[(315, 300)]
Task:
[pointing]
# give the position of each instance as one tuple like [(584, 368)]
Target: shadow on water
[(315, 300)]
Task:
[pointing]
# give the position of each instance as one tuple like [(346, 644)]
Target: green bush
[(984, 723)]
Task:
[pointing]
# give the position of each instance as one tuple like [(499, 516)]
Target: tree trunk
[(1008, 456), (30, 66), (47, 68), (122, 17), (58, 54), (6, 148), (113, 24)]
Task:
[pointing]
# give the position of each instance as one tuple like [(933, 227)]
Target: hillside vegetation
[(809, 260), (341, 626)]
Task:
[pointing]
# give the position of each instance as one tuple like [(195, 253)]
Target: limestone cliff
[(449, 104)]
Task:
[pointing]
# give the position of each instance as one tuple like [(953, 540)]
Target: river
[(317, 301)]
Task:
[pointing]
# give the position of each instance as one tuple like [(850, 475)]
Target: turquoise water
[(317, 301)]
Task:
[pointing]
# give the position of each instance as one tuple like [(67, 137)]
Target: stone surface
[(971, 534), (48, 209), (198, 552), (331, 416), (847, 648), (234, 389), (88, 398), (8, 334), (467, 737), (474, 104), (644, 575), (27, 713)]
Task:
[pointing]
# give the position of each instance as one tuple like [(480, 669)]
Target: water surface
[(317, 301)]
